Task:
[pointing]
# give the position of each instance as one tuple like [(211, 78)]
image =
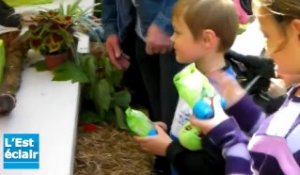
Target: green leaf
[(108, 66), (102, 95), (89, 67), (102, 114), (116, 77), (69, 71), (61, 9), (120, 118), (110, 116), (40, 66), (122, 98), (91, 117)]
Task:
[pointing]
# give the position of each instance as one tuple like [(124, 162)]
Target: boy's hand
[(157, 144), (206, 125), (227, 87), (163, 125)]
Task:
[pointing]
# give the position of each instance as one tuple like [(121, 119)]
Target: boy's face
[(187, 48), (282, 44)]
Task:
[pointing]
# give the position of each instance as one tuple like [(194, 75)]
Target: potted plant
[(52, 31), (51, 34)]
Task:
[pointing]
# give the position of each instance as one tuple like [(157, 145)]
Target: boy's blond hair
[(217, 15)]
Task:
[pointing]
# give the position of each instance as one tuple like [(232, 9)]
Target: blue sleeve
[(109, 17), (163, 18)]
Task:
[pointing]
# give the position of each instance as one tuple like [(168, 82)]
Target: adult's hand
[(157, 41), (115, 53)]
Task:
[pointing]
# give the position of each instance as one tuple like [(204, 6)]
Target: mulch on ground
[(108, 151)]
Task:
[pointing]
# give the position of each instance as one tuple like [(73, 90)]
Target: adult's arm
[(109, 17)]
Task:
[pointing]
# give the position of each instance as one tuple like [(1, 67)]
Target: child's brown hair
[(283, 10), (217, 15)]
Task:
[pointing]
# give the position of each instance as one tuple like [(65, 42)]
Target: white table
[(49, 109)]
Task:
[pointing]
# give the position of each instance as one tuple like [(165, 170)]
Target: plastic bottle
[(196, 90), (203, 109), (139, 123)]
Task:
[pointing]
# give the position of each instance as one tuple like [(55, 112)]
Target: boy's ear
[(296, 26), (209, 38)]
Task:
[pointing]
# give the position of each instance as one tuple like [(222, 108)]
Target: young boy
[(199, 36), (202, 40)]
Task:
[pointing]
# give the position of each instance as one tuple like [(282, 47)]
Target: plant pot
[(54, 60)]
